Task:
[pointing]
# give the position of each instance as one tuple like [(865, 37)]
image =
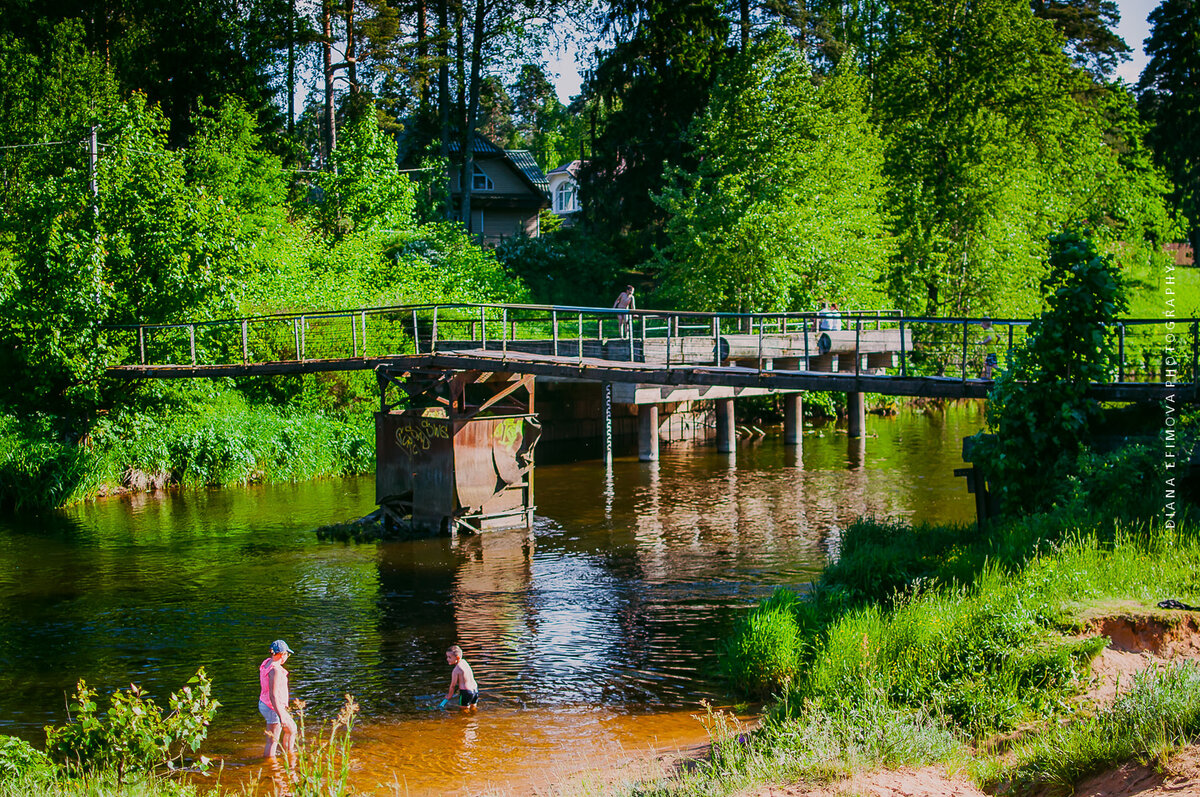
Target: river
[(592, 638)]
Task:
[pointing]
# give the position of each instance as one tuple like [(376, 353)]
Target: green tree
[(1170, 98), (994, 140), (1087, 26), (365, 190), (649, 86), (783, 208), (1037, 412)]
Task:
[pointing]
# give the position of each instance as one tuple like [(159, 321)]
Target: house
[(508, 190), (564, 192)]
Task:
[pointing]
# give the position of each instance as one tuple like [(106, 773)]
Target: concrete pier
[(648, 432), (793, 418), (856, 413), (726, 435)]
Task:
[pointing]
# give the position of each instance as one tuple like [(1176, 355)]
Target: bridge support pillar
[(606, 408), (648, 432), (856, 413), (726, 436), (793, 410)]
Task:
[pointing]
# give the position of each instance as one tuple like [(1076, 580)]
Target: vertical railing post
[(416, 336), (483, 327), (629, 330), (1120, 351), (364, 333), (964, 349), (554, 329), (857, 337), (716, 333), (245, 343), (353, 336), (1196, 353), (142, 344), (192, 336), (580, 320), (433, 332), (504, 331), (671, 322), (903, 351), (804, 330), (760, 341)]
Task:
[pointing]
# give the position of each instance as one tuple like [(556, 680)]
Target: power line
[(42, 144)]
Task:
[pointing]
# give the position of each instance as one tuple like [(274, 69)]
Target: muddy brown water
[(592, 637)]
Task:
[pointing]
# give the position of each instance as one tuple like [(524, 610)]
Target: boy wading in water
[(462, 680), (273, 701)]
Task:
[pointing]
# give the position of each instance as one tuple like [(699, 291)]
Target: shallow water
[(592, 637)]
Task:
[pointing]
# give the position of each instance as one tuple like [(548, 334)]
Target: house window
[(481, 181), (565, 198)]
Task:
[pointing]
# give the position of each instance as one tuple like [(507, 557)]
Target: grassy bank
[(208, 434), (923, 645)]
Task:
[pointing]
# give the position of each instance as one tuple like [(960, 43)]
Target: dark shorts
[(991, 359), (467, 698)]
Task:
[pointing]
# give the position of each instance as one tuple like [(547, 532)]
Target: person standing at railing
[(624, 302), (990, 360)]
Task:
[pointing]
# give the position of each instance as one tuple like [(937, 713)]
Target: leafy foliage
[(19, 758), (1037, 409), (133, 734), (1170, 99), (783, 208)]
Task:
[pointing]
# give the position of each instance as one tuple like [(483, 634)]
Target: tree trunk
[(443, 47), (464, 139), (744, 9), (473, 112), (327, 56), (422, 60), (291, 69)]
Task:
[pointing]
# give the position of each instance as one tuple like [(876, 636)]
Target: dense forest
[(168, 161)]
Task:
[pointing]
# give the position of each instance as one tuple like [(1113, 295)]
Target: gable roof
[(525, 163)]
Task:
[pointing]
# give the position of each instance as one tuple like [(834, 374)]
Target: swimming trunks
[(467, 698)]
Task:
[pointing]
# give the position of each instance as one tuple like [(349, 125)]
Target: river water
[(592, 638)]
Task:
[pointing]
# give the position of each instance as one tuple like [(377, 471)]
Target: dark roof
[(482, 146), (525, 162), (572, 168)]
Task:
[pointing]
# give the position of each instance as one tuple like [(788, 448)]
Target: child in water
[(462, 680)]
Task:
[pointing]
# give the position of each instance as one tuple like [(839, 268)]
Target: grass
[(919, 644), (219, 438), (1159, 715)]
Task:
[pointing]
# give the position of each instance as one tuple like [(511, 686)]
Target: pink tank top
[(264, 681)]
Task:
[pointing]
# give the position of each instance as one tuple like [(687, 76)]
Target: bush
[(18, 759), (133, 735), (762, 655)]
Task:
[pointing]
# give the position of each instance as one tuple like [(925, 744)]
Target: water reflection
[(590, 636)]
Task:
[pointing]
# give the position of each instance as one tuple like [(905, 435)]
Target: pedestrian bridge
[(457, 422), (873, 351)]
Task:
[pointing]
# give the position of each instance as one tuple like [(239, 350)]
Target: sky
[(1133, 28)]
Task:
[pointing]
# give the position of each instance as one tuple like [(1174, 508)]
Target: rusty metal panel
[(415, 463), (475, 475)]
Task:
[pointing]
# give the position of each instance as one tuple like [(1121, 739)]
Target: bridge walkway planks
[(595, 369)]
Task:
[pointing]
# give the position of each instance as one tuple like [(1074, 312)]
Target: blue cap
[(279, 646)]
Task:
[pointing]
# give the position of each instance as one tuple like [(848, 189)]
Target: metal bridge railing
[(1146, 350)]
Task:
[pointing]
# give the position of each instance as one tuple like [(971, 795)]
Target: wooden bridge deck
[(873, 352), (596, 369)]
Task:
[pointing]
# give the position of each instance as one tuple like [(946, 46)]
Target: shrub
[(762, 655), (18, 758), (133, 735)]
